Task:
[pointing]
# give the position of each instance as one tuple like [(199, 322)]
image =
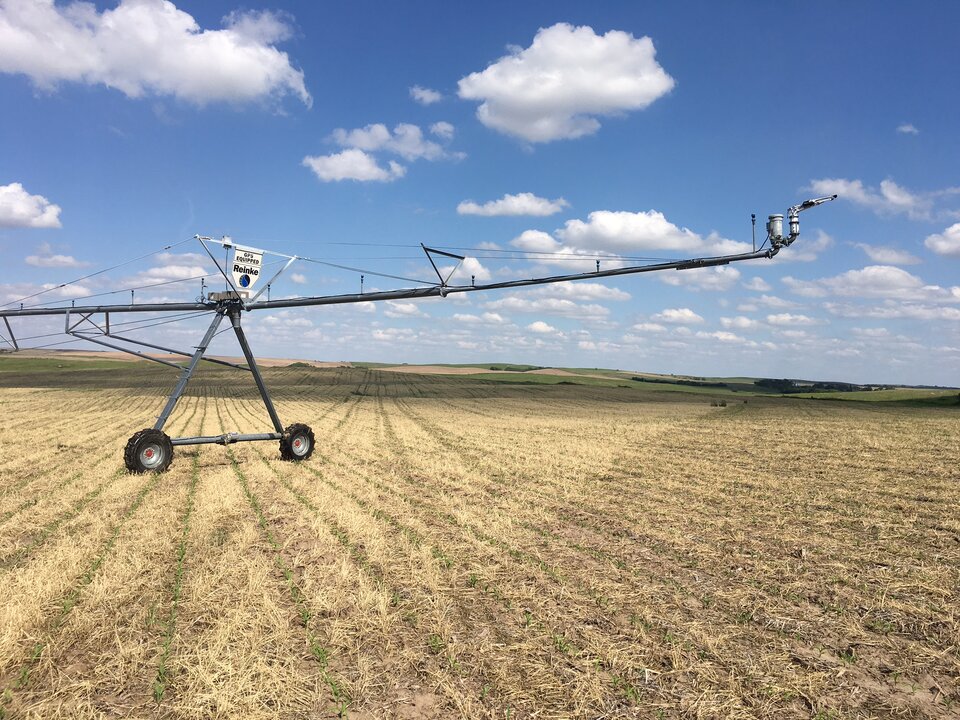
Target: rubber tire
[(286, 442), (148, 436)]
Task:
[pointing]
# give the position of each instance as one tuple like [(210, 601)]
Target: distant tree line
[(665, 381), (785, 386)]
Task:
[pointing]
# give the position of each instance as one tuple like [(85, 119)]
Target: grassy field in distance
[(459, 547)]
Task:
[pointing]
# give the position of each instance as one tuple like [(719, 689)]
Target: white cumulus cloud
[(583, 291), (757, 285), (425, 96), (806, 249), (397, 309), (739, 323), (678, 316), (556, 88), (469, 270), (873, 281), (442, 129), (888, 255), (773, 301), (406, 140), (167, 273), (47, 258), (723, 336), (542, 328), (945, 243), (18, 208), (520, 204), (624, 232), (891, 309), (357, 161), (487, 318), (888, 199), (908, 129), (790, 319), (649, 327), (561, 307), (149, 47), (353, 165), (715, 279), (607, 234)]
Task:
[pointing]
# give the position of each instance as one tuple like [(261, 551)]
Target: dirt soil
[(466, 549)]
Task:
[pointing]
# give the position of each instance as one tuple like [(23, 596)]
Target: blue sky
[(350, 131)]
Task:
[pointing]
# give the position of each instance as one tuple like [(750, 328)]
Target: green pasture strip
[(617, 374), (18, 364), (907, 396), (627, 383)]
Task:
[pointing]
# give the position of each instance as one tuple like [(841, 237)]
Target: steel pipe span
[(425, 291)]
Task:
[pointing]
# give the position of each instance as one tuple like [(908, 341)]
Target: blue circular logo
[(244, 281)]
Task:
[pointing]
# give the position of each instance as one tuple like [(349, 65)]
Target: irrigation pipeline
[(425, 291)]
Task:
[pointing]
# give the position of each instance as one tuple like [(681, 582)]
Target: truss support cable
[(98, 272), (429, 252), (13, 340), (361, 270)]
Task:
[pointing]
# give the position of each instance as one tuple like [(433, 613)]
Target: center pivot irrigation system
[(151, 449)]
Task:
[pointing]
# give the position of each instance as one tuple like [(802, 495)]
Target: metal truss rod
[(173, 352), (225, 439), (188, 370), (126, 350), (95, 309), (252, 364)]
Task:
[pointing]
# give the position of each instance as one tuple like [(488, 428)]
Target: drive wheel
[(148, 451), (297, 443)]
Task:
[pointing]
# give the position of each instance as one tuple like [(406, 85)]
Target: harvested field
[(466, 549)]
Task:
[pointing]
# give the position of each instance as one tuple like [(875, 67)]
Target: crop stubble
[(457, 548)]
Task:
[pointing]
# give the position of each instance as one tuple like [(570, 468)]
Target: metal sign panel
[(246, 267)]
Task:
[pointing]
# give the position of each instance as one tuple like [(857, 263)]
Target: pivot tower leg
[(296, 441), (188, 371), (151, 450), (252, 364)]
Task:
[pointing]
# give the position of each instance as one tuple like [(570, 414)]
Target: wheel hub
[(300, 445), (151, 456)]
